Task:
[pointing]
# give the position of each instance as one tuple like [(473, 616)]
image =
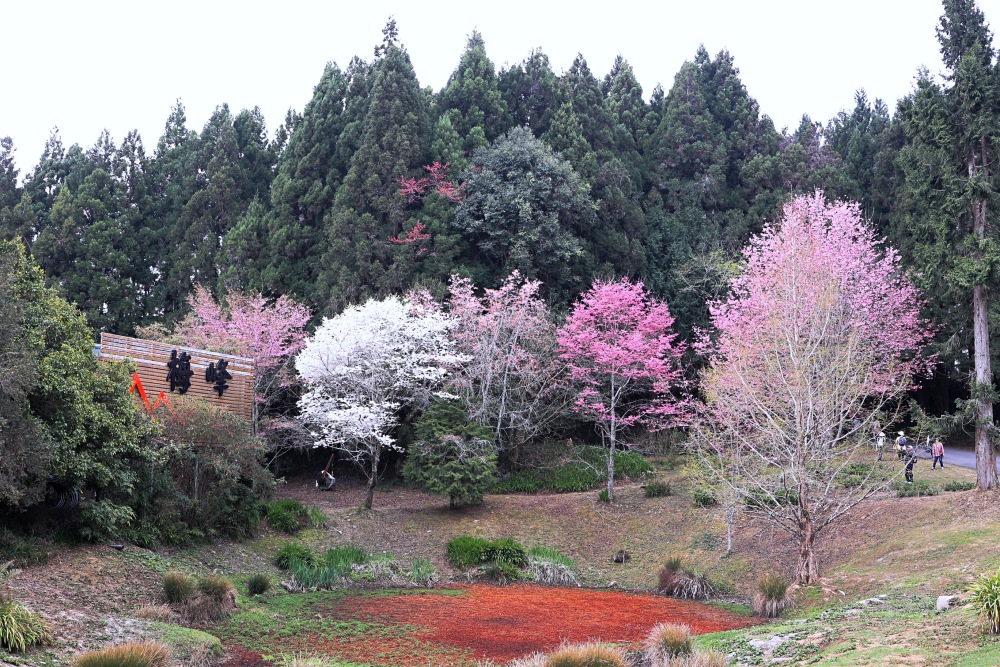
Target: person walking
[(900, 447), (911, 458), (880, 444), (937, 451)]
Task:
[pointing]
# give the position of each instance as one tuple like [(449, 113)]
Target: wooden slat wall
[(152, 357)]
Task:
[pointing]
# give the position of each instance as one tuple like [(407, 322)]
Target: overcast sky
[(87, 66)]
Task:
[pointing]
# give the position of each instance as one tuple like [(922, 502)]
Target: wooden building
[(153, 361)]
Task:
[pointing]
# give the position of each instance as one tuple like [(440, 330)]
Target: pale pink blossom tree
[(268, 331), (512, 377), (623, 355), (818, 339)]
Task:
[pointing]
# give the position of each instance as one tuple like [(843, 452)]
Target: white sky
[(87, 66)]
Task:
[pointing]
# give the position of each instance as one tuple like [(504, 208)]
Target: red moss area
[(505, 623)]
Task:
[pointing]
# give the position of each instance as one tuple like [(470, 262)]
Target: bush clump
[(984, 596), (422, 572), (703, 497), (258, 584), (904, 490), (958, 485), (771, 597), (21, 628), (178, 588), (658, 489), (667, 641), (23, 551), (291, 550), (216, 600), (679, 581), (466, 551), (217, 588), (505, 553), (132, 654), (328, 571), (586, 655), (286, 515)]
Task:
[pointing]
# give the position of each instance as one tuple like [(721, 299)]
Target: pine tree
[(473, 93), (529, 89)]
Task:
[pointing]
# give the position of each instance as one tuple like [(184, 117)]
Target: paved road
[(962, 456)]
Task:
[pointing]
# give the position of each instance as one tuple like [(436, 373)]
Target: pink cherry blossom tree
[(623, 355), (512, 377), (270, 332), (818, 339)]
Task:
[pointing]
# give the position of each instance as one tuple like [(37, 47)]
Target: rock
[(943, 602), (768, 645)]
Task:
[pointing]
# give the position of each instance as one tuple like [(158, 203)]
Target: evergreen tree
[(529, 90), (473, 93), (368, 208), (949, 197)]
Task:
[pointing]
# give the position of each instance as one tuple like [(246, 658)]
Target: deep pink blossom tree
[(620, 349), (819, 339), (248, 325), (512, 377)]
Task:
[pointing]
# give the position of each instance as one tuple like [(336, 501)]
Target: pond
[(457, 625)]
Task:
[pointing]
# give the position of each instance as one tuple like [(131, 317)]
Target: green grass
[(585, 474)]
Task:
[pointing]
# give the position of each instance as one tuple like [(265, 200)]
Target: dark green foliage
[(20, 628), (286, 515), (588, 471), (465, 551), (20, 549), (603, 496), (703, 497), (258, 584), (505, 553), (178, 588), (451, 456), (657, 489), (984, 596), (525, 208), (958, 485), (473, 96), (328, 571), (919, 488), (291, 550)]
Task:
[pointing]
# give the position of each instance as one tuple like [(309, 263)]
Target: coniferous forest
[(379, 185)]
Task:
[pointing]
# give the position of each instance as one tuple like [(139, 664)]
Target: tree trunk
[(372, 479), (611, 468), (808, 570), (730, 515), (986, 460)]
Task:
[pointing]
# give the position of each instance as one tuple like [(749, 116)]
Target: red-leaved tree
[(819, 338), (248, 325), (622, 353)]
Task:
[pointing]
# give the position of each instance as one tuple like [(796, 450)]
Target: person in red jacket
[(937, 451)]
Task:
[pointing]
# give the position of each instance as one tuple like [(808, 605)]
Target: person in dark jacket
[(911, 458)]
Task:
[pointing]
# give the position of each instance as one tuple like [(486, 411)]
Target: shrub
[(217, 588), (678, 581), (157, 612), (666, 641), (958, 485), (586, 655), (703, 497), (21, 628), (771, 597), (984, 595), (23, 551), (177, 587), (258, 584), (505, 553), (657, 489), (522, 482), (550, 555), (904, 490), (286, 515), (632, 465), (422, 571), (132, 654), (574, 477), (317, 517), (343, 559), (291, 550), (603, 496), (466, 551)]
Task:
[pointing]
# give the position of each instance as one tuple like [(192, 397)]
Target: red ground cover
[(505, 623)]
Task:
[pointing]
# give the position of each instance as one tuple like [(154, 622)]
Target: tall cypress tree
[(368, 208), (950, 195), (473, 93)]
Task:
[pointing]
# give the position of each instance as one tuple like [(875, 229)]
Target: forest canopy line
[(380, 185)]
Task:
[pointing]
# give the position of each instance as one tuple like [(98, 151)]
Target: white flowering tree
[(362, 367)]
